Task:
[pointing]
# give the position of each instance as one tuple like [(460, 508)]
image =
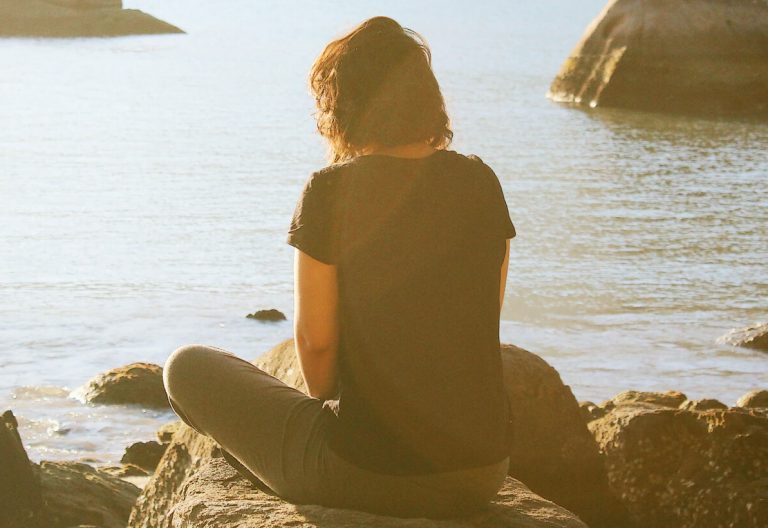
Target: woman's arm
[(316, 330), (504, 270)]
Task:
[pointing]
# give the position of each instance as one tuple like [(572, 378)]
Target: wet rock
[(137, 383), (77, 494), (755, 336), (552, 452), (76, 18), (166, 431), (676, 468), (687, 56), (671, 399), (755, 399), (702, 405), (267, 315), (218, 496), (20, 497), (590, 411), (146, 455)]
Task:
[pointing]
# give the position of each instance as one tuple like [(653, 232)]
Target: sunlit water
[(146, 185)]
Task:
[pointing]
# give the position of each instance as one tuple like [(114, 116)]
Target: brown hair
[(375, 85)]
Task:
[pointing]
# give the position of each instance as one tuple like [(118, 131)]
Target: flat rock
[(672, 399), (675, 468), (755, 336), (688, 56), (218, 496), (75, 494), (76, 18), (755, 399), (136, 383)]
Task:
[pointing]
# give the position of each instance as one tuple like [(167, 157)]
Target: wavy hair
[(375, 85)]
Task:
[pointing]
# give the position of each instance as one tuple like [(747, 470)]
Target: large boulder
[(76, 494), (755, 336), (136, 383), (686, 56), (76, 18), (678, 468), (552, 452), (20, 499), (219, 497)]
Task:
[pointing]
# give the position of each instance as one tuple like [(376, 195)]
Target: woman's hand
[(316, 328)]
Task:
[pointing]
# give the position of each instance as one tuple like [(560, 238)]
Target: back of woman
[(399, 274), (418, 244)]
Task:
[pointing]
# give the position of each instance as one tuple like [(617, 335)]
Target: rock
[(267, 315), (754, 399), (76, 494), (76, 18), (702, 405), (125, 470), (755, 336), (553, 452), (137, 383), (146, 455), (218, 496), (687, 56), (186, 453), (672, 399), (676, 468), (20, 498), (590, 411), (166, 431)]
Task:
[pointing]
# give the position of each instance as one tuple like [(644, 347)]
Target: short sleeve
[(496, 203), (312, 228)]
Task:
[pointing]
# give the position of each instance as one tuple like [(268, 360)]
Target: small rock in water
[(267, 315), (631, 397), (136, 383), (754, 399), (145, 455), (755, 336)]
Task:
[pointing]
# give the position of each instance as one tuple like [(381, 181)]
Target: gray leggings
[(276, 436)]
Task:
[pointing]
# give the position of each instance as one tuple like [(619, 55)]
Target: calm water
[(146, 185)]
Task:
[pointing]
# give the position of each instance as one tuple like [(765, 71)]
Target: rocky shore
[(640, 459)]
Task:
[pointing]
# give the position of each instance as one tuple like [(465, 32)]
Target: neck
[(410, 150)]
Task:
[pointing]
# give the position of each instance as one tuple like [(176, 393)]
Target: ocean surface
[(147, 183)]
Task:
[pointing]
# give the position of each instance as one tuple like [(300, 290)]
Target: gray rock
[(755, 336), (755, 399), (686, 56), (76, 18), (683, 469), (217, 496), (136, 383)]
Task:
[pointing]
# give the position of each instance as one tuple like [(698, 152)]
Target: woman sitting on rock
[(402, 248)]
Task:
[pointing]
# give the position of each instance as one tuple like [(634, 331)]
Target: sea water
[(147, 184)]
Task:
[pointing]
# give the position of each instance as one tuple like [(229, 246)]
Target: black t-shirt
[(418, 245)]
